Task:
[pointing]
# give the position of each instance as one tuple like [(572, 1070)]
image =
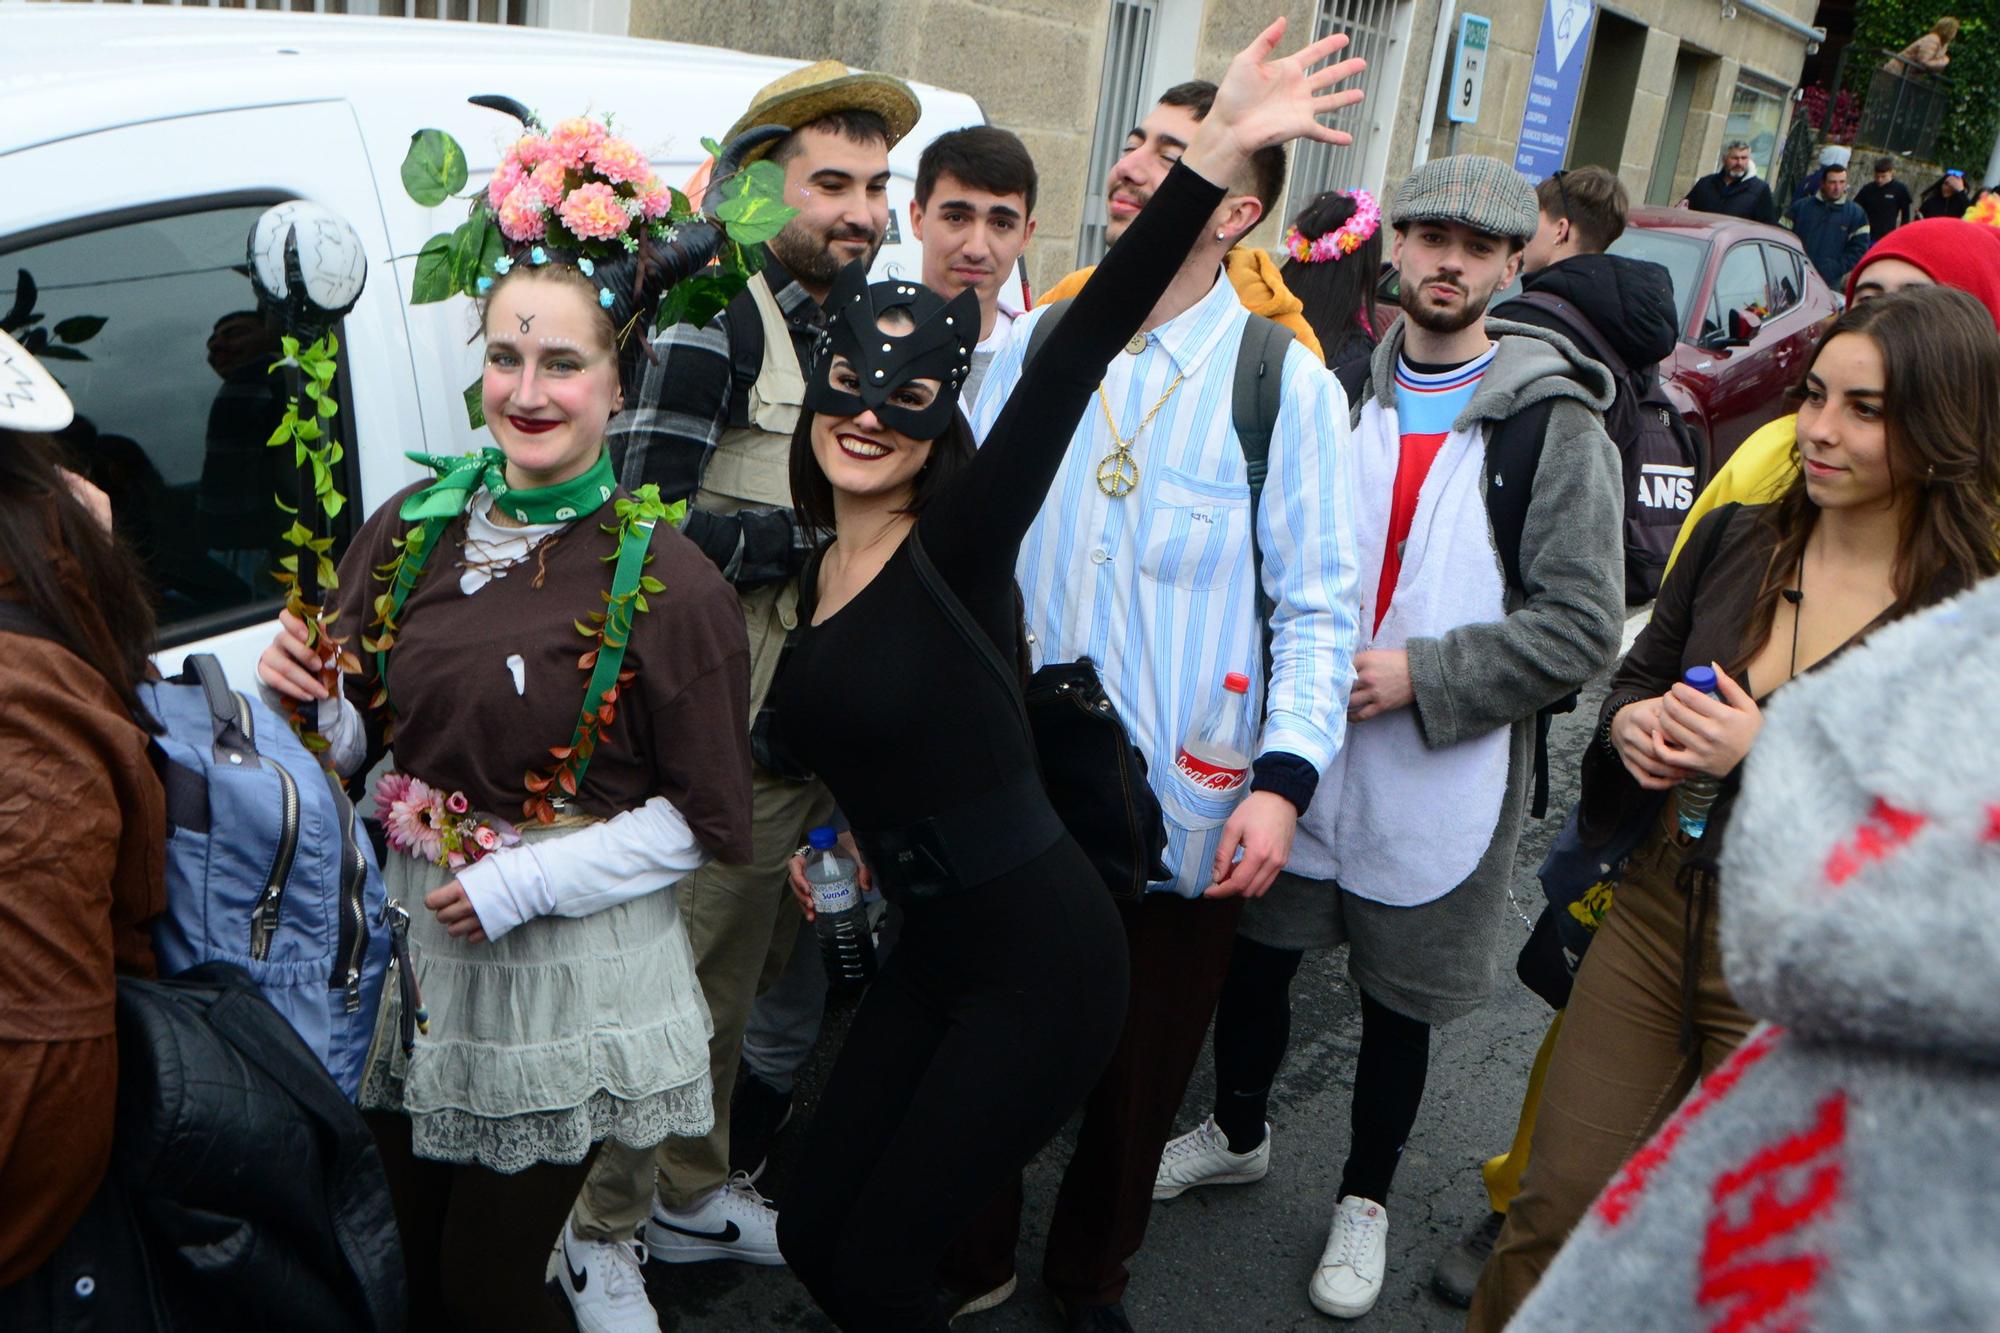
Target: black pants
[(984, 1030), (476, 1242), (1252, 1027)]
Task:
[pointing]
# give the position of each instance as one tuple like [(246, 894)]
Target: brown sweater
[(680, 729), (83, 822)]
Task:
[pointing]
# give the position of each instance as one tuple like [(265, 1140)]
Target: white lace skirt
[(565, 1031)]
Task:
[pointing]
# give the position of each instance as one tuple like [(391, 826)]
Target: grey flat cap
[(1482, 193)]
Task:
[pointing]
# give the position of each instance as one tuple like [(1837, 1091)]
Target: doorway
[(1661, 187), (1604, 108)]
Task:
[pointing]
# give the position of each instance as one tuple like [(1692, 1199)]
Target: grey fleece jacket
[(1483, 676), (1840, 1171)]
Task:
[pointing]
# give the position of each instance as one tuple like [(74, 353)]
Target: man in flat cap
[(712, 424), (1487, 520)]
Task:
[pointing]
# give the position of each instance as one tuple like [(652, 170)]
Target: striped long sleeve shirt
[(1157, 587)]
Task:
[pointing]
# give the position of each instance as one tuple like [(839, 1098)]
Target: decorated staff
[(308, 265)]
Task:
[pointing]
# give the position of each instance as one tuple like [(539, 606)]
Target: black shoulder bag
[(1094, 774)]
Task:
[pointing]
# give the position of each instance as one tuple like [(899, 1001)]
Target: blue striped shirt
[(1157, 587)]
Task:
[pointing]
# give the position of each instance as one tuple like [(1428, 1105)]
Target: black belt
[(957, 849)]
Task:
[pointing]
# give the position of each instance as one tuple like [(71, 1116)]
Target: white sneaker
[(1349, 1278), (602, 1281), (735, 1222), (1202, 1157)]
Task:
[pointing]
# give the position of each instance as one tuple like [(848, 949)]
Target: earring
[(1220, 233)]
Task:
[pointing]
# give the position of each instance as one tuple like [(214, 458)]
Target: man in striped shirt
[(1144, 559)]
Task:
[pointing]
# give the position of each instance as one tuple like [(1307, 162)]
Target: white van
[(139, 145)]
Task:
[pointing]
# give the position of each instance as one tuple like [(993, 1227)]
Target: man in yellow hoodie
[(1139, 172)]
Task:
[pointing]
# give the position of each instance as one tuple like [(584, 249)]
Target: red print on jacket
[(1759, 1263), (1885, 829)]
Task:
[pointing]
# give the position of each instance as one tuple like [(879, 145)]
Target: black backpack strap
[(1043, 328), (1580, 330), (1255, 397), (1513, 453), (745, 327), (976, 638), (1353, 377)]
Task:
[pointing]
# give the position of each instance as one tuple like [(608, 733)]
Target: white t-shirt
[(982, 356)]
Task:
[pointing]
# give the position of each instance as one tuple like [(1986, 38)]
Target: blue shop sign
[(1559, 61)]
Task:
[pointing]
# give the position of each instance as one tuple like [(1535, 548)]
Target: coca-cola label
[(1209, 777), (839, 896)]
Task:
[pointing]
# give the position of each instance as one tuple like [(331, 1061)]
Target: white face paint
[(519, 670)]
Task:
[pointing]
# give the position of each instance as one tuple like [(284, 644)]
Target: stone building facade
[(1660, 84)]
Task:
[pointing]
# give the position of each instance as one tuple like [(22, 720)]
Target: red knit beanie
[(1953, 252)]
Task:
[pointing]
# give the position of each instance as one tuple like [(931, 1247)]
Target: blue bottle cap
[(822, 839), (1701, 678)]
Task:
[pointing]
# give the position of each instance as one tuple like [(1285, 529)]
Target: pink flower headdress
[(1344, 240)]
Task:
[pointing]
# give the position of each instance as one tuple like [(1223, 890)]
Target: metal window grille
[(1316, 167), (1121, 104)]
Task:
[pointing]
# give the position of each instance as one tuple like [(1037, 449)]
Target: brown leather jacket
[(82, 857)]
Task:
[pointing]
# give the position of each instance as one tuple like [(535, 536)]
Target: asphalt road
[(1240, 1257)]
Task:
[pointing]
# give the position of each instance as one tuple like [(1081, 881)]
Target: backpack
[(1662, 461), (1513, 453), (267, 866), (1254, 400)]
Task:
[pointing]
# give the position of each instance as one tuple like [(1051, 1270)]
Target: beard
[(1115, 227), (1411, 298), (808, 254)]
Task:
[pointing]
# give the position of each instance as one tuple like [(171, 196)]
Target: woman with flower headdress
[(560, 681), (1333, 256)]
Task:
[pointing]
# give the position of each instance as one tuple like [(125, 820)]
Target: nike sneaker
[(735, 1222), (601, 1279)]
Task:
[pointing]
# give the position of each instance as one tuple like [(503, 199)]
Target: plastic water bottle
[(1216, 754), (840, 918), (1697, 794)]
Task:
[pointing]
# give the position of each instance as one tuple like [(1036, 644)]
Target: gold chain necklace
[(1118, 471)]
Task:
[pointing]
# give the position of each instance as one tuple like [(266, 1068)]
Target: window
[(154, 330), (1741, 285), (1374, 33), (1121, 104), (1755, 112), (1788, 280)]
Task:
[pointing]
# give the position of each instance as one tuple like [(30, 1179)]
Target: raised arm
[(1261, 102)]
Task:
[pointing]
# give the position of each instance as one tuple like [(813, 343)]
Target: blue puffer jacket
[(1835, 236)]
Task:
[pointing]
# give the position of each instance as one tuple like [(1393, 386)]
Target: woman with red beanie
[(1943, 252)]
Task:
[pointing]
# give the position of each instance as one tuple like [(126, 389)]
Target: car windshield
[(1681, 256)]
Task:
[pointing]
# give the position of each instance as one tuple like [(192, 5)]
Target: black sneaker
[(1456, 1276), (757, 1111), (1094, 1318)]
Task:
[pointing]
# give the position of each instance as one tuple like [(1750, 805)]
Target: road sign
[(1558, 75), (1468, 71)]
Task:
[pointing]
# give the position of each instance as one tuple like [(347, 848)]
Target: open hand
[(1262, 826), (1262, 102), (1710, 733), (455, 914)]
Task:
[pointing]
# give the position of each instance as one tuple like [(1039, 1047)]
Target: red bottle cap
[(1236, 683)]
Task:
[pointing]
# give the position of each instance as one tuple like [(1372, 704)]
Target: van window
[(150, 322)]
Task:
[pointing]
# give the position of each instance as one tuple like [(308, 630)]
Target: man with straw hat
[(712, 423)]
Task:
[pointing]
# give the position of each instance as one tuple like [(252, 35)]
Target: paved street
[(1240, 1258)]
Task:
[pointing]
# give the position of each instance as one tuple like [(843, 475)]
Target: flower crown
[(1343, 240), (579, 195)]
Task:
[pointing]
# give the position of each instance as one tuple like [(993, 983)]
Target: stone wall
[(1033, 65)]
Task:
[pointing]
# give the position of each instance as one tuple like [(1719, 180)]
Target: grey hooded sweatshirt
[(1558, 631), (1842, 1170)]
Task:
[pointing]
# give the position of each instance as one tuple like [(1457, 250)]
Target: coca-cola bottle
[(1216, 754)]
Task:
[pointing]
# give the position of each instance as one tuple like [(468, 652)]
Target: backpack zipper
[(264, 917)]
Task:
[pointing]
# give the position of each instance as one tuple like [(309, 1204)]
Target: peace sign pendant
[(1118, 473)]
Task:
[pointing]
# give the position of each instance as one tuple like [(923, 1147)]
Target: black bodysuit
[(1002, 1003)]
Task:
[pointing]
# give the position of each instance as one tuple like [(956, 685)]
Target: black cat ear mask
[(939, 348)]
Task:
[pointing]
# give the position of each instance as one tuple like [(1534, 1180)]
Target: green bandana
[(461, 475)]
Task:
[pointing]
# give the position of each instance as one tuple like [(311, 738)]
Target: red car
[(1752, 307)]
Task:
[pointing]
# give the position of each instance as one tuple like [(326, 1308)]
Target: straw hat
[(812, 91)]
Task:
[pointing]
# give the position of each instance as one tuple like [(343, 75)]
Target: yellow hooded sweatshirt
[(1757, 473), (1258, 286)]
